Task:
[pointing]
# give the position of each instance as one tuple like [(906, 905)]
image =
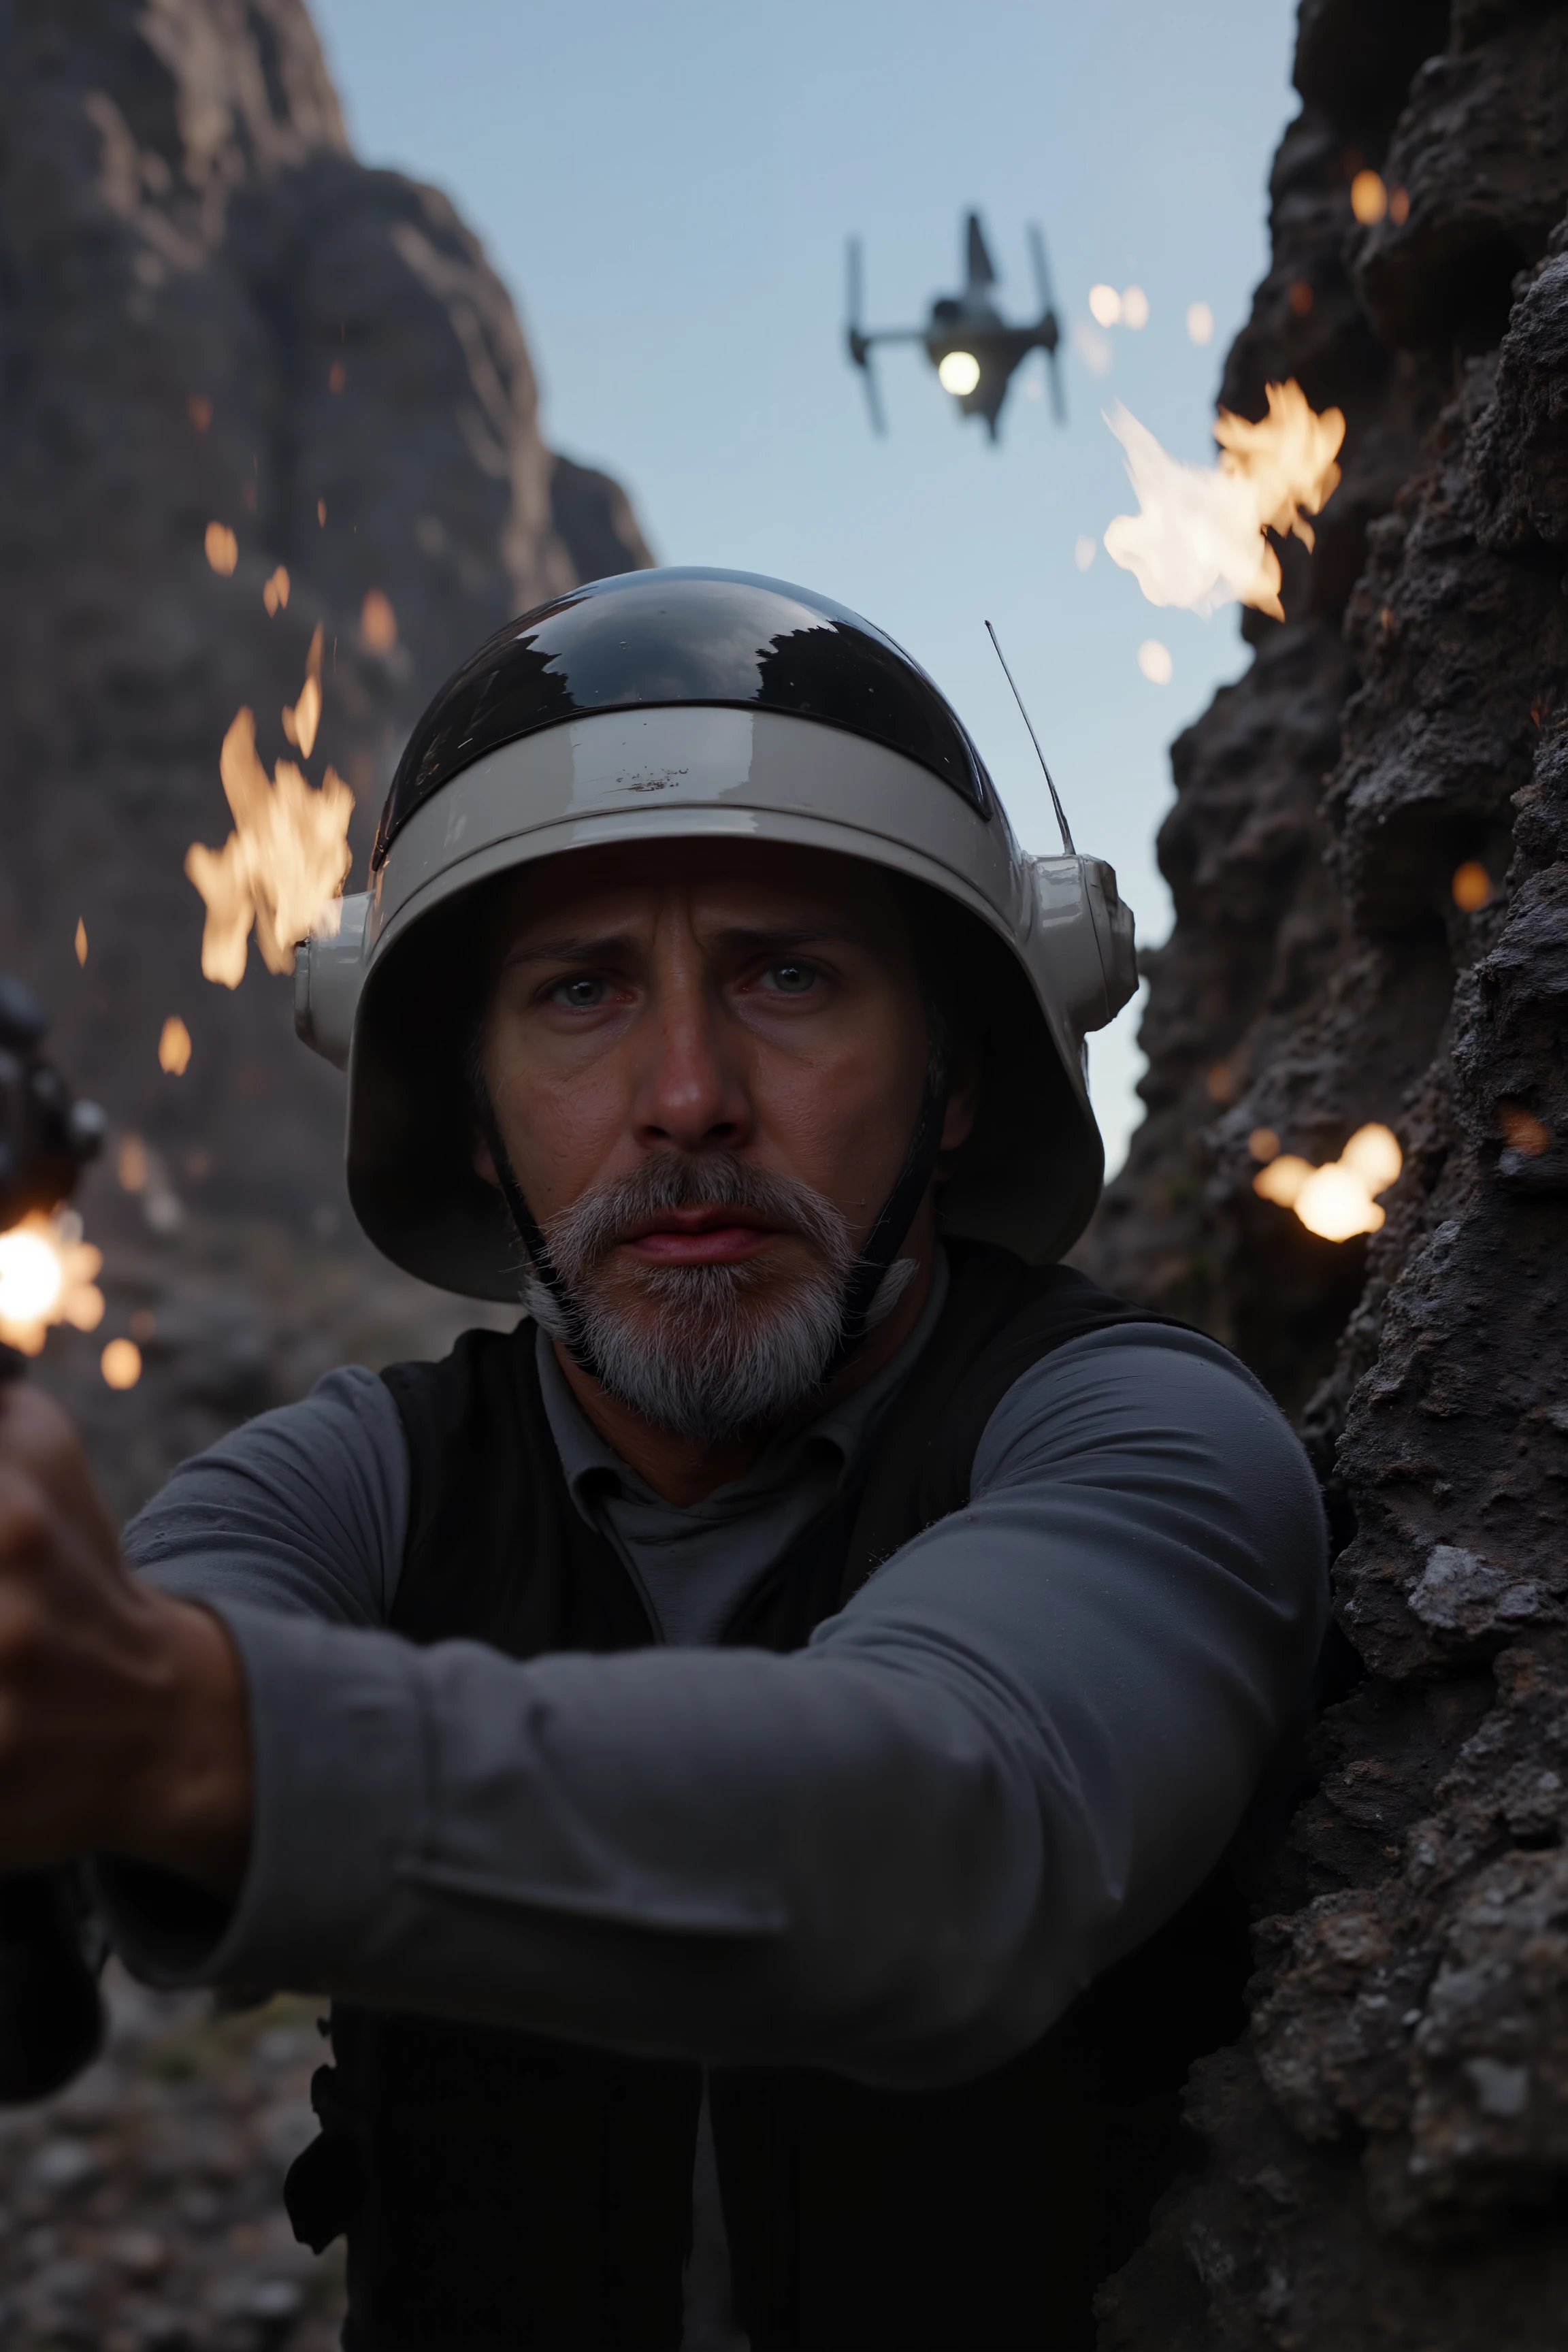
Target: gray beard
[(705, 1351)]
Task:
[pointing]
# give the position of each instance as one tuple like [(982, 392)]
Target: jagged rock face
[(210, 312), (213, 312), (1386, 2153)]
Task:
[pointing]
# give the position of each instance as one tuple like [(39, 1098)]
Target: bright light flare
[(275, 594), (1155, 661), (1104, 305), (1198, 538), (46, 1276), (1337, 1201), (1200, 323), (283, 867), (1369, 197), (1083, 550), (80, 941), (1134, 307)]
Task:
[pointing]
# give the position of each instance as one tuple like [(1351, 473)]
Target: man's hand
[(123, 1723)]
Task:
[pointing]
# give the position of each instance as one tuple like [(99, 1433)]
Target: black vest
[(502, 2190)]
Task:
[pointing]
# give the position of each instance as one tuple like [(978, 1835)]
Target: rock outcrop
[(1385, 2154), (210, 312)]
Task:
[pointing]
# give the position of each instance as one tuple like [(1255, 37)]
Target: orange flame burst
[(284, 865), (47, 1274), (1198, 538)]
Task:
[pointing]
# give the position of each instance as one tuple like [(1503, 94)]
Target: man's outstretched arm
[(900, 1852), (124, 1725)]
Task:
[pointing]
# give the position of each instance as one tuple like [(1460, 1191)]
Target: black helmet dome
[(682, 635)]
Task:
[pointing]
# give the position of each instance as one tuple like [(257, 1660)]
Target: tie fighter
[(973, 348)]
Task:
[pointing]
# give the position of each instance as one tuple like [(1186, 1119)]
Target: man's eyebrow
[(779, 939), (751, 939), (604, 947)]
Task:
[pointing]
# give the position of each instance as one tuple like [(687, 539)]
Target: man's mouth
[(719, 1235)]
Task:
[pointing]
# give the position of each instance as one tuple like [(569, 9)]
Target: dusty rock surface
[(141, 2211), (213, 313), (1384, 2158)]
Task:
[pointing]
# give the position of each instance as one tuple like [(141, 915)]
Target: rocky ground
[(141, 2209)]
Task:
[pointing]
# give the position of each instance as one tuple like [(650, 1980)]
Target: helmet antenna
[(1056, 800)]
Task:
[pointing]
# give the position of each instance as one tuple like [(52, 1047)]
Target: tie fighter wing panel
[(968, 341), (980, 271)]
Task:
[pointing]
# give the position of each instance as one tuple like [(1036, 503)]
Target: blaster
[(51, 2019)]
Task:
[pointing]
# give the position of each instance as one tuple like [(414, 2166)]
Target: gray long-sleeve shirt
[(899, 1853)]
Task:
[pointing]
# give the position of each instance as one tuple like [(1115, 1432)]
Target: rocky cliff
[(1385, 2155), (212, 313)]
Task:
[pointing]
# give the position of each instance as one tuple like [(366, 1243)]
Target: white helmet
[(698, 704)]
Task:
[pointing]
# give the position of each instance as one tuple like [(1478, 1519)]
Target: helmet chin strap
[(530, 1234), (887, 1236), (880, 1247)]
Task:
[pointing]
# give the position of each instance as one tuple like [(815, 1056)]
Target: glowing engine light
[(1104, 305), (958, 372)]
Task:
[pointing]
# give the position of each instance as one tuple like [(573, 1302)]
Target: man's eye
[(583, 992), (792, 979)]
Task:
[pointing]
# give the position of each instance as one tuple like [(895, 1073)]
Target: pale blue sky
[(666, 190)]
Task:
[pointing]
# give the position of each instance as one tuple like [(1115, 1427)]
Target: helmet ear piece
[(329, 972), (1086, 931)]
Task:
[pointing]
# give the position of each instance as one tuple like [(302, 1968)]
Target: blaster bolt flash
[(52, 2021)]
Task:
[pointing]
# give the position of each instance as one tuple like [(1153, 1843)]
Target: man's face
[(707, 1062)]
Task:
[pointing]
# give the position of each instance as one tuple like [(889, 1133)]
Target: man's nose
[(692, 1093)]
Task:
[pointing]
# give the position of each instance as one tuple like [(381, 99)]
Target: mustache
[(582, 1234)]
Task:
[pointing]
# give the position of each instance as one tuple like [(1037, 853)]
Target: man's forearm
[(186, 1807), (124, 1725)]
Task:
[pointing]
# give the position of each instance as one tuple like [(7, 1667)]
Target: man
[(818, 1664)]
